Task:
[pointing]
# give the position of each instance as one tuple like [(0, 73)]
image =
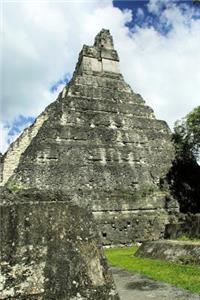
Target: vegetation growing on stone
[(14, 187)]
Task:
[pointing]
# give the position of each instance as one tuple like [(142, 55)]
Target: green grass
[(183, 276), (187, 239)]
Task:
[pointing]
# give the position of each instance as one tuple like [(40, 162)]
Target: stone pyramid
[(102, 146)]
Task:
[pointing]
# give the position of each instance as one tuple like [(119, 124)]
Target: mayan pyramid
[(102, 146)]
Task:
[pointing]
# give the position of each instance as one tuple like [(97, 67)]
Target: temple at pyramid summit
[(101, 146)]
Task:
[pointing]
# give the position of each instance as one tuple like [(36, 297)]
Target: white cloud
[(41, 42), (164, 68), (3, 137)]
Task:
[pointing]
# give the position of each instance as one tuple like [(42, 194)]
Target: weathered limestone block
[(109, 65), (101, 57), (104, 40), (50, 250), (91, 64), (124, 227), (175, 251)]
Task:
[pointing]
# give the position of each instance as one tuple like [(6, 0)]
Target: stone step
[(102, 82), (110, 107), (103, 93)]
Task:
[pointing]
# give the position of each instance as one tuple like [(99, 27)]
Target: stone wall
[(126, 227), (126, 219), (50, 250), (11, 158), (175, 251), (186, 225)]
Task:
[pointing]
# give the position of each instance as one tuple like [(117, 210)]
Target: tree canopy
[(184, 176), (187, 135)]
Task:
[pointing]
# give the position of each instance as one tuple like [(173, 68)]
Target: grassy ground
[(183, 276), (184, 238)]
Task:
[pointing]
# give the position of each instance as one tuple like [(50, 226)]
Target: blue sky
[(64, 80), (144, 17), (135, 4), (17, 125), (157, 41)]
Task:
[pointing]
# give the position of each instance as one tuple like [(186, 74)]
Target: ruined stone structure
[(186, 252), (185, 225), (102, 146), (50, 250)]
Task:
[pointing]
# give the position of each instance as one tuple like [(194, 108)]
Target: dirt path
[(132, 286)]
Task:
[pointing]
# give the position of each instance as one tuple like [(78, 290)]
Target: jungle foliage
[(184, 176)]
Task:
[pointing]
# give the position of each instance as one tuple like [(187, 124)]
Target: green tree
[(184, 176), (187, 136)]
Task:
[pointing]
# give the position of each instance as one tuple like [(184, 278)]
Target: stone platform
[(171, 250)]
